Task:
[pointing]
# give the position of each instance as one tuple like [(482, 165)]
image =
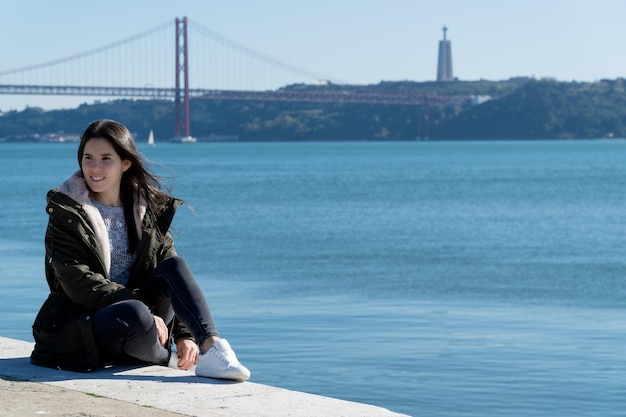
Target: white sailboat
[(151, 138)]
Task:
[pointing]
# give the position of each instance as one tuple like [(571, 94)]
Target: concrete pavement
[(154, 391)]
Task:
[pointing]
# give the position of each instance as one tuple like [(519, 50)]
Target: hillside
[(544, 110), (520, 108)]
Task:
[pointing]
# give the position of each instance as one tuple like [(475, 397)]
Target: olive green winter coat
[(77, 270)]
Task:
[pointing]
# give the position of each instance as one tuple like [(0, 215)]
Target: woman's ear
[(126, 164)]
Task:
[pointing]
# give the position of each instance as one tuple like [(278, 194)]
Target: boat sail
[(151, 138)]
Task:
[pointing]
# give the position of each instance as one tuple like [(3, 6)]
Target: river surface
[(430, 278)]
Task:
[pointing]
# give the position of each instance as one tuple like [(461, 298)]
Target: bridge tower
[(444, 64), (181, 104)]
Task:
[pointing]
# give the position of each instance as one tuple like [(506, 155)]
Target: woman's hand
[(162, 331), (187, 352)]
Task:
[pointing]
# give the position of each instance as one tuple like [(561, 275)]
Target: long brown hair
[(136, 181)]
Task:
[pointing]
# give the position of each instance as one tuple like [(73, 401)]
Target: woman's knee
[(174, 265), (128, 312)]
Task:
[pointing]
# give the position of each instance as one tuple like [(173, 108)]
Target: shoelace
[(225, 356)]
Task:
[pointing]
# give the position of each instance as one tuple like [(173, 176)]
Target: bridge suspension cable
[(145, 59), (87, 53), (239, 47)]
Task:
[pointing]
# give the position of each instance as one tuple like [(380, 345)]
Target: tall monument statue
[(444, 63)]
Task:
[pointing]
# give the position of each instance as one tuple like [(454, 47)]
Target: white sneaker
[(221, 362), (173, 362)]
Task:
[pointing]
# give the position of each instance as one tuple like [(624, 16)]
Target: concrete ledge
[(151, 391)]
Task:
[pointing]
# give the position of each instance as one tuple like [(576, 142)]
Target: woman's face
[(103, 169)]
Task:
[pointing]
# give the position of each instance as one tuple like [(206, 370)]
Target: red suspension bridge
[(140, 67)]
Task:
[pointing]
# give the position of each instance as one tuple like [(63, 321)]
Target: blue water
[(433, 279)]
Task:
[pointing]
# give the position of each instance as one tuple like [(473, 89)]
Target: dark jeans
[(127, 328)]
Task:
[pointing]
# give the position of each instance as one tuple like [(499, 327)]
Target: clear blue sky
[(360, 41)]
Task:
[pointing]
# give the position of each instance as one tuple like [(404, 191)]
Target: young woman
[(117, 287)]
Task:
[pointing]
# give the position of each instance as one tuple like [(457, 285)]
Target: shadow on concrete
[(20, 369)]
